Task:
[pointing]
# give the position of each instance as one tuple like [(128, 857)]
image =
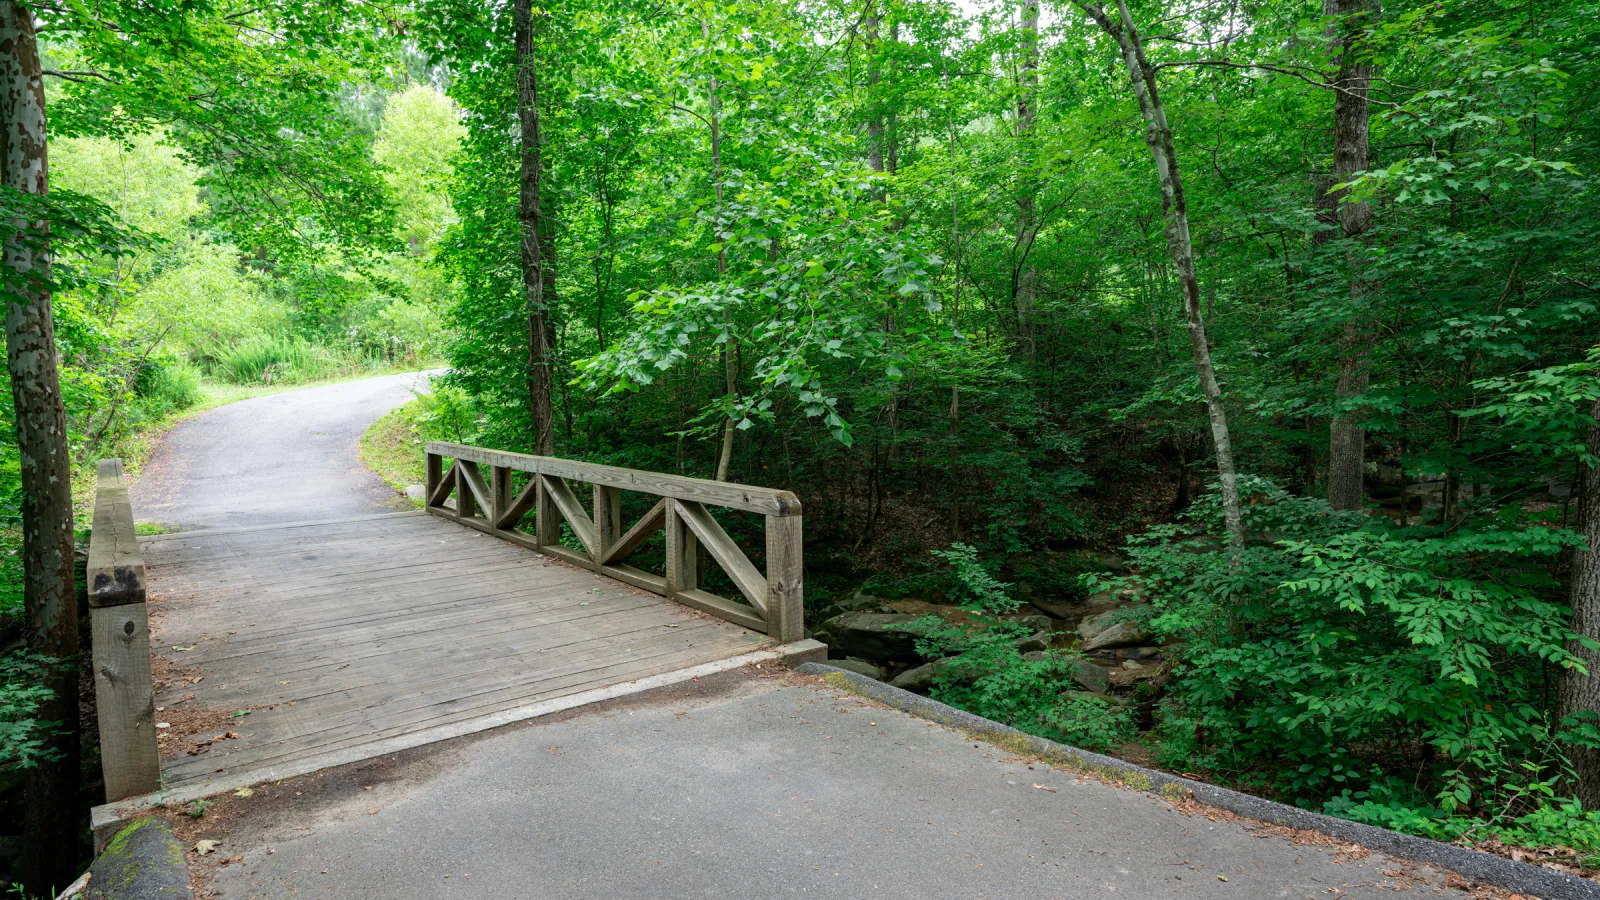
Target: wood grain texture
[(719, 493), (120, 642), (345, 634)]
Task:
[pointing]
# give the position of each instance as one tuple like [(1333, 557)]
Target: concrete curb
[(103, 820), (1485, 868)]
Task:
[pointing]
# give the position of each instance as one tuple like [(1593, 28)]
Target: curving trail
[(280, 458)]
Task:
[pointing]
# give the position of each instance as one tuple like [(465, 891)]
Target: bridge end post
[(120, 635), (785, 579)]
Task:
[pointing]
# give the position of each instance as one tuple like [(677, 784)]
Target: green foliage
[(1353, 655), (271, 359), (984, 673), (23, 737)]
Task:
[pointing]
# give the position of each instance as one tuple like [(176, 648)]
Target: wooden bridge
[(232, 656)]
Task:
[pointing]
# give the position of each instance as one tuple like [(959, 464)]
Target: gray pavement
[(279, 458), (756, 788)]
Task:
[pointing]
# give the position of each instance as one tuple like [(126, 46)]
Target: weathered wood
[(435, 624), (785, 610), (433, 478), (723, 608), (571, 510), (125, 700), (120, 649), (726, 553), (607, 522), (648, 524), (734, 496), (115, 568), (681, 512), (515, 509), (441, 490), (472, 498)]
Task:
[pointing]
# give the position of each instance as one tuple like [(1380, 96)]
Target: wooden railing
[(498, 504), (120, 628)]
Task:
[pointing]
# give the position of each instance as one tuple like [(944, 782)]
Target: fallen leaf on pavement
[(205, 846)]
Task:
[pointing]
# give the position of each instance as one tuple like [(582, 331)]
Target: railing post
[(683, 554), (120, 630), (607, 521), (785, 579), (435, 474), (546, 519), (500, 494)]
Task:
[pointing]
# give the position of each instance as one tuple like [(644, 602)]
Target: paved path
[(280, 458), (765, 787)]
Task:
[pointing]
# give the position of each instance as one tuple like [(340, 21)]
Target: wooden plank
[(723, 608), (433, 475), (571, 510), (125, 700), (766, 501), (785, 610), (682, 553), (650, 523), (607, 522), (483, 502), (115, 569), (727, 554), (447, 483), (639, 578), (519, 506), (119, 631)]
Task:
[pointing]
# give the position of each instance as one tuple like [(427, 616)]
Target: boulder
[(1054, 607), (856, 601), (878, 637), (1035, 656), (858, 666), (144, 860), (1114, 628), (1039, 641), (1034, 622), (1092, 677), (920, 679), (1134, 672)]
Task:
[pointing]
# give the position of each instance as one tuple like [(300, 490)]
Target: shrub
[(169, 384), (986, 674), (22, 735), (1350, 658), (275, 360)]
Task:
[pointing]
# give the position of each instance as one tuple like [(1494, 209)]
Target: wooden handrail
[(120, 630), (774, 599)]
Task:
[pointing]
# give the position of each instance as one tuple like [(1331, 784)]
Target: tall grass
[(271, 359)]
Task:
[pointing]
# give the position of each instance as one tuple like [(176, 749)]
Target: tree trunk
[(1346, 437), (51, 836), (730, 371), (875, 146), (1158, 137), (530, 214), (1026, 277), (1580, 694)]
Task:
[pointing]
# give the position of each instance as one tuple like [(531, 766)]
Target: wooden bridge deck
[(338, 636)]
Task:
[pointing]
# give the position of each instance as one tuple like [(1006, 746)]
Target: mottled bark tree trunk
[(1158, 137), (1346, 437), (541, 354), (51, 837), (875, 146), (1580, 694)]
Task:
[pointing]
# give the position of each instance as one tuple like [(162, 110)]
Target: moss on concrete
[(143, 861)]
